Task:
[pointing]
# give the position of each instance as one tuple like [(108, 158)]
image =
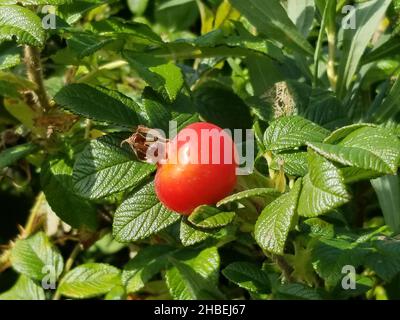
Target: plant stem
[(35, 75), (331, 59), (319, 46), (284, 266), (68, 265), (88, 126), (5, 260), (108, 66)]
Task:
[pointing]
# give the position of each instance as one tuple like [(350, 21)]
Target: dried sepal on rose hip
[(197, 167)]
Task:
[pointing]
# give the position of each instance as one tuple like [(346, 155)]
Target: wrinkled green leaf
[(96, 104), (367, 148), (24, 289), (141, 215), (248, 276), (22, 23), (294, 164), (256, 192), (194, 275), (190, 234), (291, 132), (275, 221), (210, 217), (144, 266), (57, 184), (323, 188), (89, 280), (35, 257), (105, 167)]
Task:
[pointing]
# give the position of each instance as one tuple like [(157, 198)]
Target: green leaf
[(248, 276), (144, 266), (368, 15), (293, 163), (256, 192), (86, 43), (116, 293), (20, 111), (173, 78), (72, 11), (141, 215), (390, 106), (24, 289), (292, 132), (385, 260), (261, 80), (209, 217), (105, 167), (56, 181), (323, 188), (387, 189), (36, 256), (138, 7), (194, 275), (341, 133), (9, 56), (276, 220), (133, 33), (331, 255), (190, 234), (386, 50), (107, 245), (98, 104), (271, 19), (363, 285), (9, 90), (297, 291), (369, 148), (325, 109), (22, 23), (318, 227), (164, 78), (89, 280), (13, 154), (353, 174), (301, 12)]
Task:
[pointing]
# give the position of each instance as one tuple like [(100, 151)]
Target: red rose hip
[(199, 169)]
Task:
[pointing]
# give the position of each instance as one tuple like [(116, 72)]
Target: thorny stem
[(35, 75), (68, 265)]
